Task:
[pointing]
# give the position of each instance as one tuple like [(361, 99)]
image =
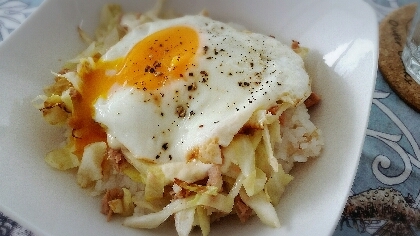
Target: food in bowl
[(182, 116)]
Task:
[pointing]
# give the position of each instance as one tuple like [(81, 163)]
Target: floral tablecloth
[(385, 197)]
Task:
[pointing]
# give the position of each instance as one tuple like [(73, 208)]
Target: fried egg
[(174, 91)]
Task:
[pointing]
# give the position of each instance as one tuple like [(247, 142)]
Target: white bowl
[(342, 36)]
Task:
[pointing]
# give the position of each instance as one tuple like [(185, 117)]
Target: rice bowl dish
[(184, 116)]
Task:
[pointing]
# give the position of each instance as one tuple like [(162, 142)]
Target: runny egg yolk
[(159, 58)]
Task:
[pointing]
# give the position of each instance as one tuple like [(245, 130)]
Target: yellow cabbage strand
[(220, 202), (262, 207), (90, 168), (203, 220), (155, 184), (184, 221), (62, 158), (276, 185)]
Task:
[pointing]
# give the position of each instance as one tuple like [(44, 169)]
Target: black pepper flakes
[(180, 110), (156, 64), (165, 146), (192, 87), (244, 84)]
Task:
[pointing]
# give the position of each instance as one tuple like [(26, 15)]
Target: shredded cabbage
[(90, 168), (62, 159), (262, 207), (155, 184), (276, 185), (203, 220), (220, 202), (184, 221), (128, 205)]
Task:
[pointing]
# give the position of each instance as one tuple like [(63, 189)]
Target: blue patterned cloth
[(13, 13), (389, 171)]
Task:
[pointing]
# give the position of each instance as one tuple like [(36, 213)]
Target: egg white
[(244, 72)]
